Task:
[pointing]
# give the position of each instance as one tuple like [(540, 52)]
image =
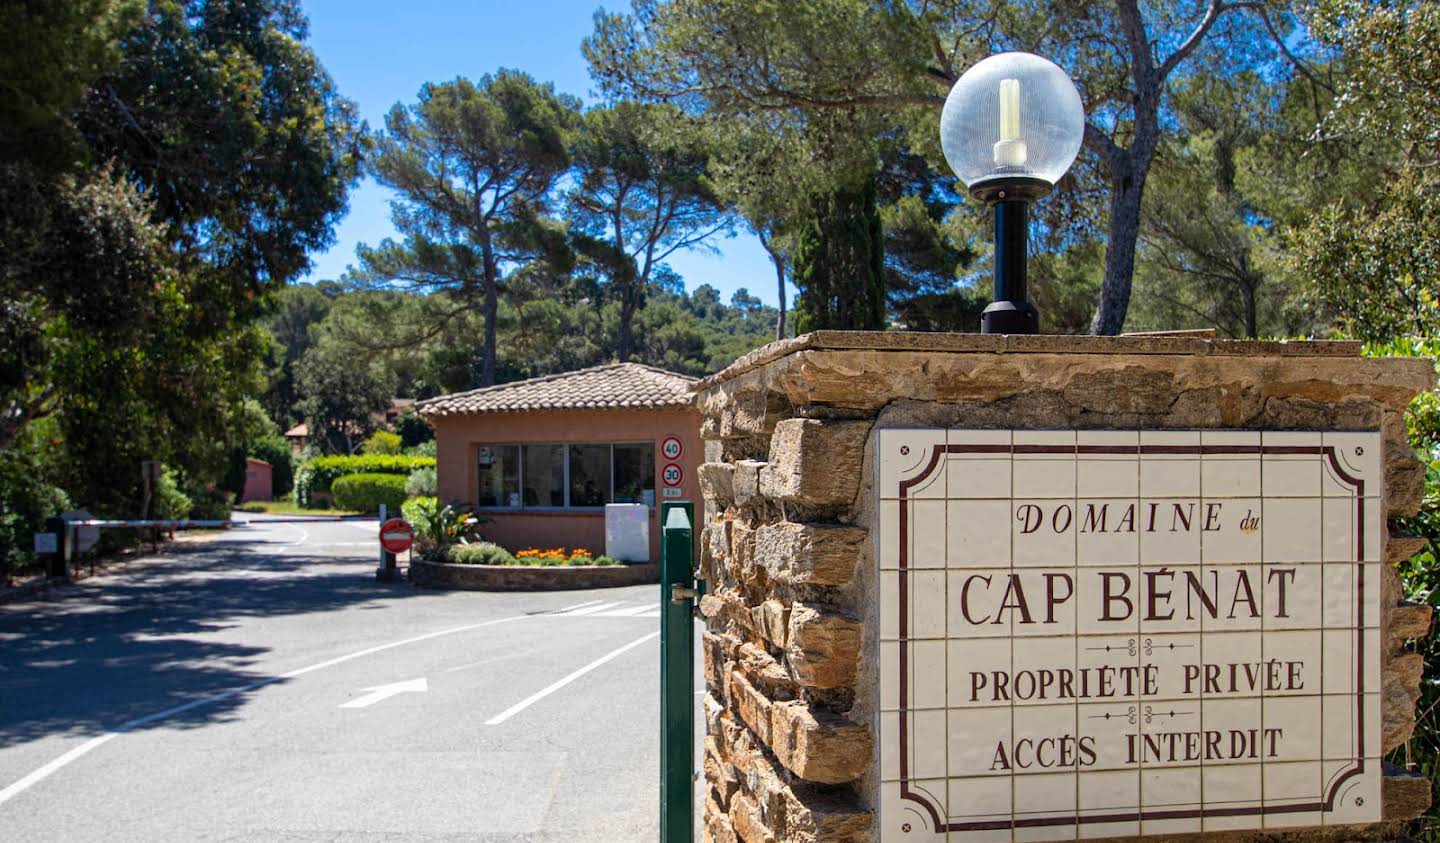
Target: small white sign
[(672, 493), (47, 543)]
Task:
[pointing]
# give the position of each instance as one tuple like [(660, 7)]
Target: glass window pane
[(635, 473), (589, 475), (544, 475), (499, 476)]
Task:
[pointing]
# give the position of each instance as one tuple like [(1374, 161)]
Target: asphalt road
[(260, 685)]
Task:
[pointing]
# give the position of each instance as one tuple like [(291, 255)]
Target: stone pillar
[(789, 549)]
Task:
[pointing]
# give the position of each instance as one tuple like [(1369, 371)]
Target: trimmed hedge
[(320, 473), (478, 554), (365, 492)]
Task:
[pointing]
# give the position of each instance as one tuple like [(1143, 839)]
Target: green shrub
[(365, 492), (439, 526), (26, 500), (167, 501), (421, 483), (318, 474), (413, 430), (381, 443), (478, 554), (424, 449)]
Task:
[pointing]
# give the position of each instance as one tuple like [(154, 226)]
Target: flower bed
[(479, 577)]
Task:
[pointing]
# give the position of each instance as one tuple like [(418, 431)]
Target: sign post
[(396, 536), (677, 673)]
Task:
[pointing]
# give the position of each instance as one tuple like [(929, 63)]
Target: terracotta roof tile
[(616, 386)]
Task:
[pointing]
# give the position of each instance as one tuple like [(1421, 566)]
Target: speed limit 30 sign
[(672, 475)]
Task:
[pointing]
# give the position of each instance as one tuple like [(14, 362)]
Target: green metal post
[(677, 672)]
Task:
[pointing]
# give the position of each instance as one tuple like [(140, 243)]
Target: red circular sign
[(672, 475), (396, 535), (671, 447)]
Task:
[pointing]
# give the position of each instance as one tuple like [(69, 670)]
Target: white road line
[(565, 680), (568, 608), (629, 612), (592, 610), (49, 769)]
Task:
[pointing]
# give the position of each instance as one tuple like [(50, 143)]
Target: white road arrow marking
[(385, 692)]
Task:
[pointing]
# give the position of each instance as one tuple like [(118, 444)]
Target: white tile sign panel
[(1093, 634)]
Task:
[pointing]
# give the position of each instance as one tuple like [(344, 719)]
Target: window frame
[(565, 474)]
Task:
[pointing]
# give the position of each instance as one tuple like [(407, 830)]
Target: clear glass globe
[(1013, 115)]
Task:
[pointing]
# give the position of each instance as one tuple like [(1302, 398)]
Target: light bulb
[(1009, 151)]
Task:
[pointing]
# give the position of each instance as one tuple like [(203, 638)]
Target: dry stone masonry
[(789, 536)]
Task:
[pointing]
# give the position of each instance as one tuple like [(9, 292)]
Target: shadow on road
[(88, 658)]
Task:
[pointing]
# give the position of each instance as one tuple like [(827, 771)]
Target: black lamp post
[(1012, 126)]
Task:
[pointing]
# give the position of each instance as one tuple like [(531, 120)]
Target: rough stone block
[(745, 481), (809, 554), (717, 482), (1408, 621), (773, 619), (823, 818), (765, 673), (819, 748), (752, 706), (717, 827), (823, 647), (1404, 795), (748, 822), (815, 463)]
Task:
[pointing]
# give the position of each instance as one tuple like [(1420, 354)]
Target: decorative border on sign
[(939, 452)]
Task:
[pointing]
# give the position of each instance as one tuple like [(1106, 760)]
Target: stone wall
[(791, 644)]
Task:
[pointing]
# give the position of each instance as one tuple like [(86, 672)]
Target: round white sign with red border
[(672, 475), (396, 535), (671, 447)]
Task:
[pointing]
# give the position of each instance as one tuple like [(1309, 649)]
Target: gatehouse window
[(557, 476)]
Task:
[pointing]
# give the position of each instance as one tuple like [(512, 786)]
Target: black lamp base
[(1010, 317)]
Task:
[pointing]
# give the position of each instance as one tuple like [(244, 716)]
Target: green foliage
[(342, 397), (839, 264), (366, 492), (320, 473), (27, 499), (424, 449), (413, 429), (478, 554), (421, 483), (381, 443), (167, 501), (473, 165), (438, 526)]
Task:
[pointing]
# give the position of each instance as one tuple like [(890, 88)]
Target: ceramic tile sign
[(1116, 633)]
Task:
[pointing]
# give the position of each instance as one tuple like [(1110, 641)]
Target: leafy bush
[(413, 430), (424, 449), (167, 501), (478, 554), (318, 474), (421, 483), (381, 443), (365, 492), (438, 527), (208, 502), (26, 500)]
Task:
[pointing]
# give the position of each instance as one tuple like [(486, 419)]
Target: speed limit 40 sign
[(671, 447), (672, 475)]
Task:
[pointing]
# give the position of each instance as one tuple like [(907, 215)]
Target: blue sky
[(380, 52)]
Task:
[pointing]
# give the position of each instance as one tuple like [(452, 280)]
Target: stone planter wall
[(528, 578), (792, 643)]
